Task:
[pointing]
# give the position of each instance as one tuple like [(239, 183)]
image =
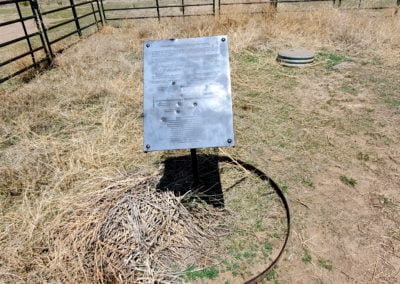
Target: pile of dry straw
[(130, 231)]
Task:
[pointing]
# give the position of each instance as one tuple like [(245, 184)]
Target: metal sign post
[(187, 95), (195, 166)]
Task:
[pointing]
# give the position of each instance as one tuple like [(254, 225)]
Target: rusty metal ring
[(260, 174)]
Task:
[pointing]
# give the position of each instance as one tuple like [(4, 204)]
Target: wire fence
[(33, 32)]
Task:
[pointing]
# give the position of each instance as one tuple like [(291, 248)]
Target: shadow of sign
[(178, 177)]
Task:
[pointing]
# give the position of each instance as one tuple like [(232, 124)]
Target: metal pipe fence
[(41, 38), (49, 36)]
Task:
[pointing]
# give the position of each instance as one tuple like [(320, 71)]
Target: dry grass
[(72, 130)]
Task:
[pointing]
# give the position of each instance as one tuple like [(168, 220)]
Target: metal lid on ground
[(296, 57)]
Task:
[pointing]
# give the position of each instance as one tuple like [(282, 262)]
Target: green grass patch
[(348, 181), (284, 187), (266, 249), (272, 276), (363, 156), (307, 256), (349, 89), (393, 102), (308, 181), (325, 263), (385, 200), (253, 94), (258, 225), (250, 58), (331, 59), (191, 274)]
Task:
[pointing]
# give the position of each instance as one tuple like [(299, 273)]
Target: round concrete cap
[(296, 61), (301, 54), (295, 65)]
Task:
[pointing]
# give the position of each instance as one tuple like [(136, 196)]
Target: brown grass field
[(71, 140)]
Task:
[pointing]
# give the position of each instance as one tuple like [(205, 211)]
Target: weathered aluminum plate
[(187, 94)]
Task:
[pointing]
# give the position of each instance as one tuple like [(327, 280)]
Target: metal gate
[(40, 34)]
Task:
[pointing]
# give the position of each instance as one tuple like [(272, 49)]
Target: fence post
[(158, 10), (78, 27), (103, 11), (100, 12), (183, 7), (94, 15), (42, 30), (275, 5), (214, 7), (26, 34)]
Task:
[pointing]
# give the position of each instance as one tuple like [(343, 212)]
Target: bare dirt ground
[(354, 227), (345, 232), (13, 31), (329, 137)]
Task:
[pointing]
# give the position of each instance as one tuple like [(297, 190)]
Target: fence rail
[(43, 41)]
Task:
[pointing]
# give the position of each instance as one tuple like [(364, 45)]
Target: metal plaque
[(187, 94)]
